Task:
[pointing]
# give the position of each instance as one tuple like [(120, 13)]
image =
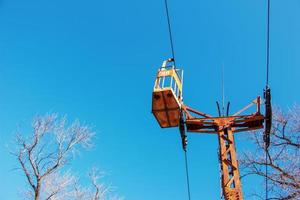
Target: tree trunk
[(37, 191)]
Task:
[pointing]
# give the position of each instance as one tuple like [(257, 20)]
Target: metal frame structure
[(225, 127), (170, 111)]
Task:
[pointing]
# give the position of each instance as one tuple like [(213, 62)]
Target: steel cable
[(187, 175), (268, 44), (170, 32), (267, 87), (174, 60), (266, 149)]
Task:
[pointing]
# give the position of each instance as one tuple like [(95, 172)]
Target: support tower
[(170, 111)]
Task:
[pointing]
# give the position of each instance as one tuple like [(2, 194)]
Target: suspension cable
[(170, 32), (187, 175), (267, 133), (266, 152), (268, 44), (184, 145), (183, 131)]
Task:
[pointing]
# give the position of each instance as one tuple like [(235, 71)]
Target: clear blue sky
[(96, 61)]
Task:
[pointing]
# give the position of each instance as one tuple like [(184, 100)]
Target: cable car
[(167, 94)]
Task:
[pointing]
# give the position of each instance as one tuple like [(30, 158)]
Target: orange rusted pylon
[(225, 127), (168, 107)]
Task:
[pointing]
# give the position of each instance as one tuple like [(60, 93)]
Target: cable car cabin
[(167, 95)]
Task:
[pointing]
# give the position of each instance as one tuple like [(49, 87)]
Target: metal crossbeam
[(225, 127)]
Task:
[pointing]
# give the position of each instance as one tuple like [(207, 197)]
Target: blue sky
[(97, 60)]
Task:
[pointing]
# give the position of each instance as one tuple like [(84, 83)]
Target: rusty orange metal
[(165, 108), (168, 107), (225, 127), (167, 95)]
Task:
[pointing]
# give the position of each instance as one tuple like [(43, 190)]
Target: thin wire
[(173, 55), (187, 175), (266, 149), (268, 44), (170, 31), (267, 86), (223, 91)]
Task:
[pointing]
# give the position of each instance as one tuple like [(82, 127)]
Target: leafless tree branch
[(47, 150), (283, 156)]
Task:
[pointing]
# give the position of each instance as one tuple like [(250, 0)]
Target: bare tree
[(283, 158), (99, 190), (51, 146), (66, 186), (58, 186), (43, 155), (96, 190)]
